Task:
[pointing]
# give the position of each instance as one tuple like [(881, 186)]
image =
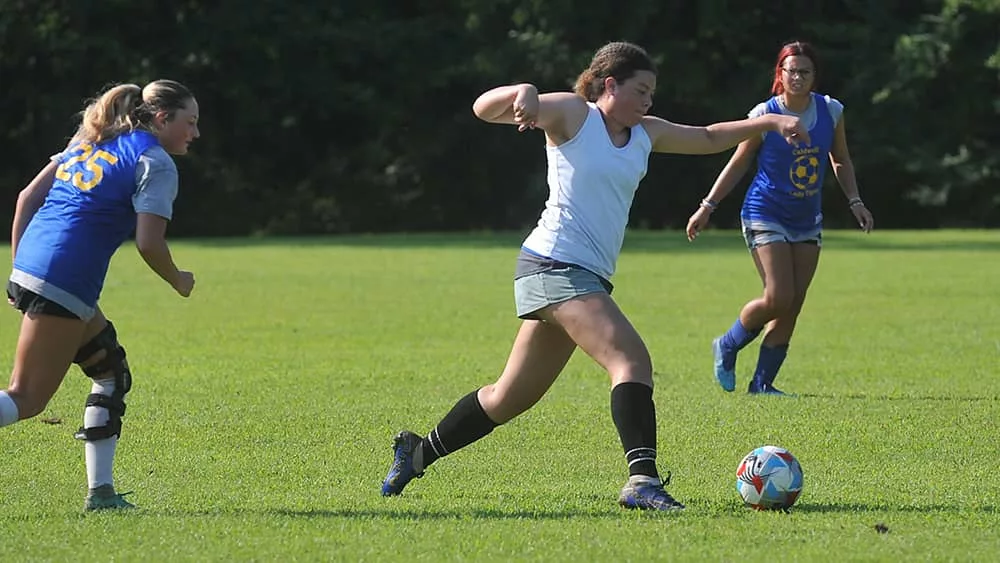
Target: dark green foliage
[(326, 117)]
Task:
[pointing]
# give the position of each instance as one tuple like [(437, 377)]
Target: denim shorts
[(761, 233), (534, 292)]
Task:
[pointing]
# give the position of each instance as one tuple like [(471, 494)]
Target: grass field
[(260, 423)]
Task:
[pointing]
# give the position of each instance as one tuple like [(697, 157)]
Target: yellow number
[(89, 158), (62, 172), (96, 172)]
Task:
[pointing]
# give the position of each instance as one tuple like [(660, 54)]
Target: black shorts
[(30, 302)]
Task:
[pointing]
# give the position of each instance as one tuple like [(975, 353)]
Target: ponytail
[(619, 60), (111, 114), (585, 86)]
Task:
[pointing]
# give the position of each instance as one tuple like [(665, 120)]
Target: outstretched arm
[(670, 137)]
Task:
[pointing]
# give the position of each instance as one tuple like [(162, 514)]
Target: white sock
[(8, 410), (100, 455)]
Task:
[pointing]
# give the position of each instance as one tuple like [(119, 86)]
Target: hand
[(697, 222), (184, 283), (791, 128), (526, 108), (864, 217)]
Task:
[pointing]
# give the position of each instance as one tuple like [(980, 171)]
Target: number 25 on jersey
[(89, 157)]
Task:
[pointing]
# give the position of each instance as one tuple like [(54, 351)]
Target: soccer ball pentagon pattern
[(769, 478), (805, 172)]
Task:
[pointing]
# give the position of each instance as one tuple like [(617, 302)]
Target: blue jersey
[(787, 187), (65, 252)]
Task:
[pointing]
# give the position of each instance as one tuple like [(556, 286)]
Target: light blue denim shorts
[(534, 292), (760, 233)]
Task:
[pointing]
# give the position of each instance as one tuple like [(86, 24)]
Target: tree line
[(345, 117)]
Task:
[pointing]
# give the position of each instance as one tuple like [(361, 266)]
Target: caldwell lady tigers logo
[(805, 172)]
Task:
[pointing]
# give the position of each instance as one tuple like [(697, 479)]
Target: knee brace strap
[(107, 338), (115, 407), (112, 363)]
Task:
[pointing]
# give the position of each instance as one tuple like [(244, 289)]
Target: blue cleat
[(758, 388), (647, 494), (725, 366), (404, 445)]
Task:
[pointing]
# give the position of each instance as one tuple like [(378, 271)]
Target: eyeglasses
[(803, 73)]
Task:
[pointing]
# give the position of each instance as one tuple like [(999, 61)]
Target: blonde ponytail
[(111, 114)]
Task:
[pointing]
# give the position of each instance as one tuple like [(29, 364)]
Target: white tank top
[(591, 187)]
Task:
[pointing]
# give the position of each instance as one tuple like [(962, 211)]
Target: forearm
[(727, 134), (157, 256), (493, 104), (727, 180), (844, 172)]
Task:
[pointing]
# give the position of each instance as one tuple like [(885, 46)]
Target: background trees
[(322, 117)]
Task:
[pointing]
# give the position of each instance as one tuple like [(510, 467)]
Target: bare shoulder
[(658, 128), (655, 125), (561, 115), (567, 104)]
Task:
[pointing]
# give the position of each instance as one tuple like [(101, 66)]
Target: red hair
[(793, 49)]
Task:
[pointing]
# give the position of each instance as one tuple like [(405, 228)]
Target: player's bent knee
[(112, 364), (29, 405), (778, 304), (501, 407), (109, 365)]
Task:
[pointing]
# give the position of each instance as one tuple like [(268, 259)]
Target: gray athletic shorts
[(760, 233), (557, 283)]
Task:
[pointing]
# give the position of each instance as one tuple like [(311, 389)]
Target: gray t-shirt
[(156, 182), (808, 117)]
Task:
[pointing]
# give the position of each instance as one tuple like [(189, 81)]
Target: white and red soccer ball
[(769, 478)]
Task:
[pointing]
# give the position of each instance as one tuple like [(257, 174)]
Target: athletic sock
[(465, 423), (768, 363), (634, 415), (99, 454)]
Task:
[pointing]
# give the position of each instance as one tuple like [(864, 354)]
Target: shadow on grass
[(470, 514), (391, 513), (851, 507), (635, 241), (404, 514), (863, 397)]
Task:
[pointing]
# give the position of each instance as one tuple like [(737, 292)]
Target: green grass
[(260, 422)]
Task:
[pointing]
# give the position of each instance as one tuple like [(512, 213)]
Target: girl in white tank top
[(598, 142)]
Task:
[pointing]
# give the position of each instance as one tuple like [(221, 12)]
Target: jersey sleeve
[(836, 109), (60, 156), (758, 110), (156, 183)]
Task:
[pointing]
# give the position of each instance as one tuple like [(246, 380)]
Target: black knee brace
[(112, 364)]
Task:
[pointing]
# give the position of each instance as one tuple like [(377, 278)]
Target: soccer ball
[(805, 172), (769, 478)]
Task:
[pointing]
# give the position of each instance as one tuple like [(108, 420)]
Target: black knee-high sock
[(465, 423), (635, 417)]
